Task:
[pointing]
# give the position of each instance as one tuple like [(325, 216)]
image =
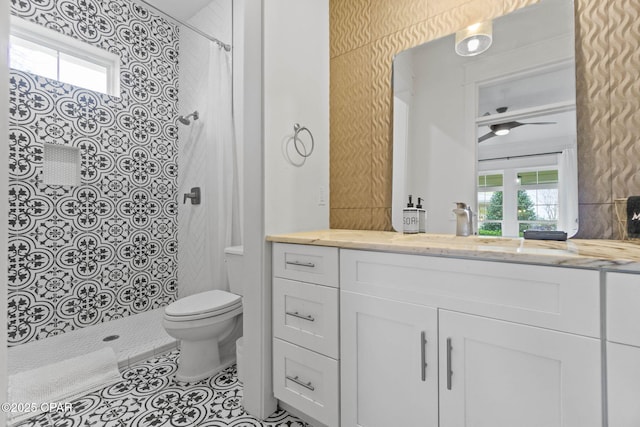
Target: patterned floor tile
[(149, 396)]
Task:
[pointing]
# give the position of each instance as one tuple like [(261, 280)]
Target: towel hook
[(296, 132)]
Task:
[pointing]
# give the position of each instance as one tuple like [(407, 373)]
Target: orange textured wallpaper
[(365, 34)]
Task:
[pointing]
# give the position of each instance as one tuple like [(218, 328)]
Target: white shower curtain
[(222, 192), (208, 159)]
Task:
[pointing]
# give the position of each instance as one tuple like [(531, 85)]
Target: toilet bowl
[(203, 322)]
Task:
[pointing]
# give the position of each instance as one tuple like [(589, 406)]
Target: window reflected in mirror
[(530, 201)]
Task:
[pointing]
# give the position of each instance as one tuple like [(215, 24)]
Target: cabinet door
[(623, 308), (501, 374), (623, 364), (389, 374)]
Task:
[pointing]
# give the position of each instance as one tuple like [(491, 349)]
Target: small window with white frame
[(47, 53)]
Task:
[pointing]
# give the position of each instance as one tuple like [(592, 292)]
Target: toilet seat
[(202, 305)]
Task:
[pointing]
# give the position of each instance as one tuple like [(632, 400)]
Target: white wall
[(281, 53), (402, 104), (4, 154), (258, 397), (296, 90), (440, 153)]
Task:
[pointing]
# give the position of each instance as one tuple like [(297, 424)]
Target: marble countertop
[(608, 254)]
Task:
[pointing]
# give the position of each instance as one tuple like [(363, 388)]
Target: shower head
[(185, 119)]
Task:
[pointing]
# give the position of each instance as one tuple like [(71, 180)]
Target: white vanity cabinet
[(623, 349), (389, 362), (508, 351), (305, 330), (378, 339)]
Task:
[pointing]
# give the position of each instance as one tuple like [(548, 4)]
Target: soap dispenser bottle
[(410, 221), (422, 217)]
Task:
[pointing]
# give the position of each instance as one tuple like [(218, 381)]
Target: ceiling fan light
[(500, 129), (474, 39)]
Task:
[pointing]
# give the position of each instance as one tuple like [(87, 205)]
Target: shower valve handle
[(194, 195)]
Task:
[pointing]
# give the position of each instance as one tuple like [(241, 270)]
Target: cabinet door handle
[(300, 382), (308, 317), (449, 371), (301, 264), (423, 354)]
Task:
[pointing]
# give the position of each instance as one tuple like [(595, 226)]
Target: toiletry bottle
[(422, 217), (410, 222)]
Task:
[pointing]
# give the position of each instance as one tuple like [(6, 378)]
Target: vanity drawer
[(563, 299), (306, 315), (623, 308), (307, 381), (312, 264)]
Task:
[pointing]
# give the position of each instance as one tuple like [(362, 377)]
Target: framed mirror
[(495, 130)]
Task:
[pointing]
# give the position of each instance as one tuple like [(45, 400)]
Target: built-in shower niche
[(61, 165)]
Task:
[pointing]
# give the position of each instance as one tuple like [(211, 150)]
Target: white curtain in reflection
[(568, 190)]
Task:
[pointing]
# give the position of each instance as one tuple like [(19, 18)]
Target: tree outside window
[(536, 207)]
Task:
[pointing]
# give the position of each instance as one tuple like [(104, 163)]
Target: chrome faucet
[(464, 219)]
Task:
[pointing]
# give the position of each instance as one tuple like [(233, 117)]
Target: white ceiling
[(180, 10), (542, 88), (533, 138)]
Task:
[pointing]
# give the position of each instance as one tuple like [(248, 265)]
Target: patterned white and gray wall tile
[(80, 255)]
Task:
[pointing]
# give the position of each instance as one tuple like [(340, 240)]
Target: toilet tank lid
[(234, 250), (204, 302)]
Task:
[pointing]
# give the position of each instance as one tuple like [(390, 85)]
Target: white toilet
[(205, 321)]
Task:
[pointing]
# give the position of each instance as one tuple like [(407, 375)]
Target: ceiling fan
[(500, 129)]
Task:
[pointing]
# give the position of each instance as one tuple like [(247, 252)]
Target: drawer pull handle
[(423, 354), (301, 264), (449, 370), (301, 383), (308, 318)]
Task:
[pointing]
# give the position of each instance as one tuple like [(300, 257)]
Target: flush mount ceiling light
[(474, 39)]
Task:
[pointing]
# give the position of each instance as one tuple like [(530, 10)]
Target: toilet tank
[(233, 256)]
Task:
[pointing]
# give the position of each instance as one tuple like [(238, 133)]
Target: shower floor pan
[(139, 337)]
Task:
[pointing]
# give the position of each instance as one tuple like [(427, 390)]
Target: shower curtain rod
[(189, 26)]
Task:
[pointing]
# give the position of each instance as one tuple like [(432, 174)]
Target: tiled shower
[(107, 248)]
